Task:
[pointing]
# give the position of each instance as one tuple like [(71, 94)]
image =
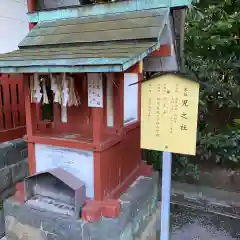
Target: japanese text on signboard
[(169, 114)]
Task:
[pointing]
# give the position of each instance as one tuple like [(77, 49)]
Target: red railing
[(12, 110)]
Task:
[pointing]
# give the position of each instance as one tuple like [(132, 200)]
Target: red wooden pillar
[(28, 106), (97, 128), (140, 78), (29, 123), (118, 102), (31, 5)]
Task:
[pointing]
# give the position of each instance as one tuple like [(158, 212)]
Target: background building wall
[(13, 24)]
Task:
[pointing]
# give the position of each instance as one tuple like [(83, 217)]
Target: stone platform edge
[(138, 203)]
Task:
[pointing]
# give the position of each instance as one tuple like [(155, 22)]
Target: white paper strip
[(110, 79), (63, 114), (95, 90)]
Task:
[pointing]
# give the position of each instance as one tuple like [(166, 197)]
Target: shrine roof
[(109, 43)]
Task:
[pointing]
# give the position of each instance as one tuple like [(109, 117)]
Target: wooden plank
[(17, 106), (102, 18), (14, 103), (21, 100), (11, 134), (61, 69), (76, 54), (28, 106), (65, 62), (98, 26), (1, 105), (96, 65), (101, 9), (73, 57), (7, 103), (122, 48), (90, 37), (90, 10)]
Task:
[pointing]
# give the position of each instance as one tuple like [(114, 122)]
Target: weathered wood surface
[(102, 18), (115, 51), (12, 110), (92, 49), (111, 43), (108, 59), (105, 9), (127, 26)]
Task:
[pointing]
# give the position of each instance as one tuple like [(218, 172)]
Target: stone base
[(23, 222), (13, 168)]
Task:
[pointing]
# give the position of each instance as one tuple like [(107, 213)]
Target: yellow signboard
[(169, 112)]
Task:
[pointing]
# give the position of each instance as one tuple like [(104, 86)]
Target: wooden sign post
[(169, 110)]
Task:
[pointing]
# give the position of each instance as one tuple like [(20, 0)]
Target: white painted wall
[(75, 161), (130, 98), (13, 24)]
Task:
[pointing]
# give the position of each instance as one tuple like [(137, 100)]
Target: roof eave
[(60, 69), (138, 58)]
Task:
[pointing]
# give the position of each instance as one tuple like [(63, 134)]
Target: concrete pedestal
[(137, 204)]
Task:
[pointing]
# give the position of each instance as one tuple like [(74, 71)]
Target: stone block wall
[(137, 205), (13, 169)]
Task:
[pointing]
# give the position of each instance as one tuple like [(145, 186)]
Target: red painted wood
[(98, 188), (31, 8), (163, 51), (79, 117), (31, 158), (118, 101), (97, 124), (12, 112), (105, 103), (94, 210), (32, 25), (10, 134), (117, 154), (15, 103), (31, 5), (1, 106), (7, 103), (21, 100), (116, 163), (57, 114), (30, 122), (61, 142), (140, 170)]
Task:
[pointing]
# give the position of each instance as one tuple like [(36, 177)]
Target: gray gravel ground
[(191, 224)]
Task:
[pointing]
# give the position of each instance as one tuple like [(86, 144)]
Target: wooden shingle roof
[(109, 43)]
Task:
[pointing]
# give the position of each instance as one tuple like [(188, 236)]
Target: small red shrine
[(82, 108)]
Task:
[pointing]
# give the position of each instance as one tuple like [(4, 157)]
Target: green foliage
[(222, 147), (212, 51), (1, 205), (212, 54)]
